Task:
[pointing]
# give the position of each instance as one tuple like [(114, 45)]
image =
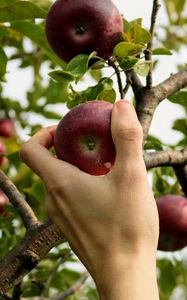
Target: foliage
[(57, 86)]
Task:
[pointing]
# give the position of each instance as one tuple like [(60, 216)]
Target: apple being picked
[(83, 137), (82, 26), (172, 211)]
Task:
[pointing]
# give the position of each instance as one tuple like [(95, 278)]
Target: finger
[(35, 152), (127, 133)]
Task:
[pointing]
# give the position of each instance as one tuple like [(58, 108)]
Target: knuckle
[(130, 134)]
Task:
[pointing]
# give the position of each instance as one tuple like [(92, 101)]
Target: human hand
[(108, 220)]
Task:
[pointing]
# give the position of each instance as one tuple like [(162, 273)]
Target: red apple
[(172, 211), (82, 26), (3, 201), (83, 138), (7, 128)]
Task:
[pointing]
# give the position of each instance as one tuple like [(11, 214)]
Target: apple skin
[(83, 138), (172, 211), (82, 26), (7, 128)]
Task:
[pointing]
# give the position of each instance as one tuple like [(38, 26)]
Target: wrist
[(130, 277)]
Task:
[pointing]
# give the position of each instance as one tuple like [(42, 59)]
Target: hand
[(111, 221)]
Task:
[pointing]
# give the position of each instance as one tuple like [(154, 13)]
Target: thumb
[(127, 134)]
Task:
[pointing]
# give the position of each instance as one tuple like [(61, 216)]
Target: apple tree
[(36, 262)]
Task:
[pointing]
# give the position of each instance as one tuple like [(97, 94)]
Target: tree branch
[(166, 158), (171, 85), (150, 98), (135, 83), (148, 51), (27, 254), (24, 210)]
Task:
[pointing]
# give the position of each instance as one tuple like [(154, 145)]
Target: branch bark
[(149, 99), (27, 254), (171, 85), (166, 158)]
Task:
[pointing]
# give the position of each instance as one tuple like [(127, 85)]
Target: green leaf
[(180, 125), (51, 115), (179, 98), (74, 70), (78, 65), (129, 26), (153, 143), (125, 49), (37, 190), (3, 63), (129, 34), (61, 76), (9, 33), (127, 63), (6, 2), (15, 105), (14, 158), (141, 36), (36, 33), (102, 89), (21, 10), (162, 51), (56, 92), (107, 95), (142, 68), (45, 4)]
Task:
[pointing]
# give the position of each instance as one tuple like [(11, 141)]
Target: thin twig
[(24, 210), (76, 286), (148, 51), (112, 63), (126, 88)]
